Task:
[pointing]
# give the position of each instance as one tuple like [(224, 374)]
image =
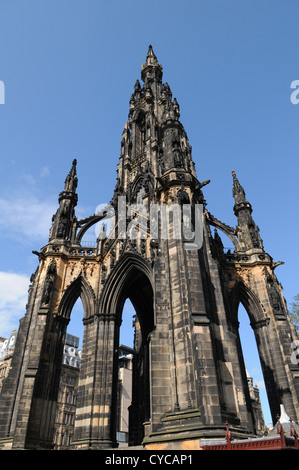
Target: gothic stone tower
[(189, 377)]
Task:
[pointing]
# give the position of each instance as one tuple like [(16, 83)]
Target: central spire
[(154, 142), (152, 72)]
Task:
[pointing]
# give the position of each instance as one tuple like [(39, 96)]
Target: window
[(140, 134)]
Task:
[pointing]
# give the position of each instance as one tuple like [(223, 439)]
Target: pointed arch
[(266, 348), (242, 293), (138, 184), (78, 288), (132, 278)]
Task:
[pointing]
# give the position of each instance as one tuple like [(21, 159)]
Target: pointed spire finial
[(238, 190), (247, 232), (71, 180), (151, 70), (151, 58)]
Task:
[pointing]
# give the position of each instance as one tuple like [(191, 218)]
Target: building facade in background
[(67, 394), (68, 387)]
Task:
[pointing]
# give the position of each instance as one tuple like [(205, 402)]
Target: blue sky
[(69, 69)]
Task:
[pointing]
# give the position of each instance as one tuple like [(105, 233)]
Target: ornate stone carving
[(49, 283)]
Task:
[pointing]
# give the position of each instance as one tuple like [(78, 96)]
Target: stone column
[(96, 403), (36, 411)]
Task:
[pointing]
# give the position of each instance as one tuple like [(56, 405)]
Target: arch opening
[(69, 377), (256, 392), (75, 325), (135, 312), (79, 288), (126, 354), (54, 397)]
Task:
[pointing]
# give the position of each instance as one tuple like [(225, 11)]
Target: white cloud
[(13, 300), (29, 218), (26, 217), (44, 172)]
